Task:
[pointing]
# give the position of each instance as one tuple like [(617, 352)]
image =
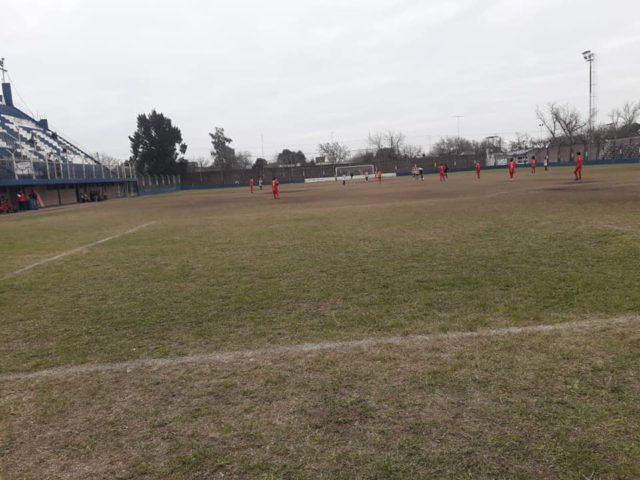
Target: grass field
[(226, 271)]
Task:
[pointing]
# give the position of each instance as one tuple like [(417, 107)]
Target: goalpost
[(357, 170)]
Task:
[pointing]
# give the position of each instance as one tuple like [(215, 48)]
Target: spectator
[(23, 201), (5, 205), (33, 200)]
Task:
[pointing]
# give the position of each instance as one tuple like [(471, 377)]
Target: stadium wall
[(217, 179), (159, 190), (209, 178)]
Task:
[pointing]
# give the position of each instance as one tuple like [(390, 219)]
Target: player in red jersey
[(512, 168), (275, 188), (379, 175), (442, 172), (577, 172), (251, 184), (478, 169), (534, 163)]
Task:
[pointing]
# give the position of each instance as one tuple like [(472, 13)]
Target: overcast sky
[(302, 72)]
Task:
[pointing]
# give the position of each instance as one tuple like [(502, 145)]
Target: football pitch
[(409, 329)]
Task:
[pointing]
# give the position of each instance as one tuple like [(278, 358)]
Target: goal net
[(356, 170)]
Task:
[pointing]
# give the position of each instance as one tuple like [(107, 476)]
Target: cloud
[(297, 71)]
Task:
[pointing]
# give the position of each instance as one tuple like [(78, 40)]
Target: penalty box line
[(251, 355), (75, 250)]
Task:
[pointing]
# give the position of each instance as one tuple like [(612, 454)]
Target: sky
[(295, 73)]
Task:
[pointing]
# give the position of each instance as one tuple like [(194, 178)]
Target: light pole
[(589, 56), (458, 117)]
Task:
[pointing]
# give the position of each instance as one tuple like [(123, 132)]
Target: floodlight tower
[(589, 57)]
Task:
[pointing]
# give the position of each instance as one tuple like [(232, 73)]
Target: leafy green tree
[(259, 165), (288, 157), (224, 157), (157, 147)]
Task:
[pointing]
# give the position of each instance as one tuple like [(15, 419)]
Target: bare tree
[(629, 114), (112, 163), (395, 140), (108, 161), (458, 146), (391, 139), (615, 116), (522, 141), (334, 152), (202, 162), (549, 120), (571, 123), (376, 140), (243, 160), (411, 151)]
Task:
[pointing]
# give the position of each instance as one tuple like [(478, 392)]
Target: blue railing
[(21, 170)]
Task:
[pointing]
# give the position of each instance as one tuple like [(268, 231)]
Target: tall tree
[(549, 120), (390, 140), (629, 114), (156, 146), (334, 152), (224, 157), (571, 124), (523, 141), (411, 151), (289, 157), (615, 116), (259, 165), (624, 121)]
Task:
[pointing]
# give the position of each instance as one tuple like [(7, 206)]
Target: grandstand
[(34, 157)]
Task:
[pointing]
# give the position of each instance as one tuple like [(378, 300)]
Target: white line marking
[(75, 250), (239, 355)]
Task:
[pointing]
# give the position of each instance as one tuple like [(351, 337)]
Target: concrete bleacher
[(35, 158), (26, 139), (30, 149)]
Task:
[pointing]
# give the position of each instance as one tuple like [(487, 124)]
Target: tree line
[(157, 147)]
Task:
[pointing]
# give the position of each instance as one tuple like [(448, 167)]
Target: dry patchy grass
[(560, 404), (227, 270), (223, 270)]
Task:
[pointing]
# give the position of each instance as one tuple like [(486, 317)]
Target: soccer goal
[(357, 170)]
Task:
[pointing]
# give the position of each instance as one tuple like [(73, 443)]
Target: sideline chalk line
[(76, 250), (239, 355)]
